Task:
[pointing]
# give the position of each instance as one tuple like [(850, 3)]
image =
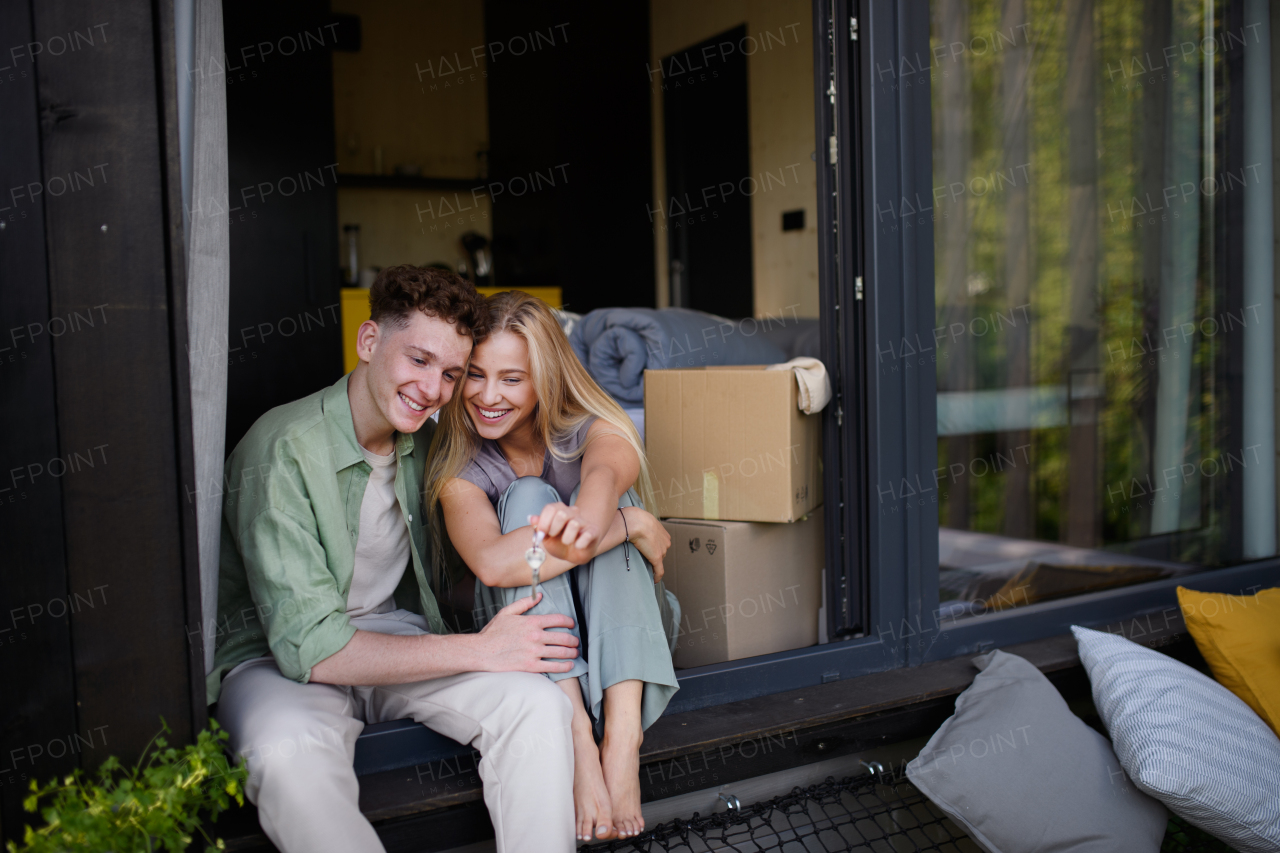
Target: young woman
[(530, 442)]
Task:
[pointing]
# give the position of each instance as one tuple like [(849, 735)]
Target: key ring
[(535, 557)]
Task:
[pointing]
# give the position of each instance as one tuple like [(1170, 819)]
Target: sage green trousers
[(628, 622)]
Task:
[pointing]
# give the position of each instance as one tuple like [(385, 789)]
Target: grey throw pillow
[(1187, 740), (1020, 772)]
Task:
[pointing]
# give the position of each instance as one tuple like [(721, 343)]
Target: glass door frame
[(856, 597)]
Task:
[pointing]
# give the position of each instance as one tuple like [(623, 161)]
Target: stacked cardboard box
[(730, 443), (738, 479), (745, 588)]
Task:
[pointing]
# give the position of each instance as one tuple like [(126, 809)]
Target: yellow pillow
[(1239, 636)]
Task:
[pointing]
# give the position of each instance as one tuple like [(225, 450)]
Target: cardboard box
[(745, 588), (729, 443)]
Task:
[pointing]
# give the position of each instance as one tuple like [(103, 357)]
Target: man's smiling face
[(414, 370)]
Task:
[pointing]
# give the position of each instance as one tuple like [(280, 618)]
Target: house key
[(535, 557)]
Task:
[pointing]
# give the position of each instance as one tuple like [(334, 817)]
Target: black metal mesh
[(855, 814), (858, 814), (1182, 837)]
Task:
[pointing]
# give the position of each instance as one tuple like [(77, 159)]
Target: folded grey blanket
[(617, 345)]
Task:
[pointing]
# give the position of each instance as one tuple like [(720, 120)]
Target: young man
[(322, 629)]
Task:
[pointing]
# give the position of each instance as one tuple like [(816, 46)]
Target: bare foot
[(591, 804), (620, 760)]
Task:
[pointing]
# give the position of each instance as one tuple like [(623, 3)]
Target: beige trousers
[(299, 743)]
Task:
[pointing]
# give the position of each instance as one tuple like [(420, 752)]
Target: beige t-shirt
[(382, 547)]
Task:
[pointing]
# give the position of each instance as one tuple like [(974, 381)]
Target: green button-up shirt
[(290, 520)]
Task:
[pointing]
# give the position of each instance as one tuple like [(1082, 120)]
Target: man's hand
[(649, 536), (570, 536), (514, 642)]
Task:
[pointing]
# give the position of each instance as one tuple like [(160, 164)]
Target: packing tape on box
[(710, 494)]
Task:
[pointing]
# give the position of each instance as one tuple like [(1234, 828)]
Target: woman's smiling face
[(499, 389)]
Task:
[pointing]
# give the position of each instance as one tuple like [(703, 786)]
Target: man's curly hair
[(398, 291)]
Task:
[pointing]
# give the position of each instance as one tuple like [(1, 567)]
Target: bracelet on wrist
[(627, 538)]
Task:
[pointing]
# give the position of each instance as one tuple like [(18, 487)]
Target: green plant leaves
[(158, 804)]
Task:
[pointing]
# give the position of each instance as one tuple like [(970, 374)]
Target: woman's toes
[(620, 761)]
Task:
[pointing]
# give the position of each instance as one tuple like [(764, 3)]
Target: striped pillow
[(1187, 741)]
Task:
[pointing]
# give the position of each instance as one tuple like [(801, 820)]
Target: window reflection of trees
[(1060, 127)]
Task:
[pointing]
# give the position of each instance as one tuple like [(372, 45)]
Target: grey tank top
[(493, 474)]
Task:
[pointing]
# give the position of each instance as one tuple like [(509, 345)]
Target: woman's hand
[(570, 535), (649, 536)]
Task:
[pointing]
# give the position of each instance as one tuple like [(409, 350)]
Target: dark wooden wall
[(35, 654), (99, 576)]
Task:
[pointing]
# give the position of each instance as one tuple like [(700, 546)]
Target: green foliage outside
[(158, 804), (1127, 285)]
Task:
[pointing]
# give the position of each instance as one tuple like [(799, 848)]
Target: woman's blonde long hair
[(567, 396)]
